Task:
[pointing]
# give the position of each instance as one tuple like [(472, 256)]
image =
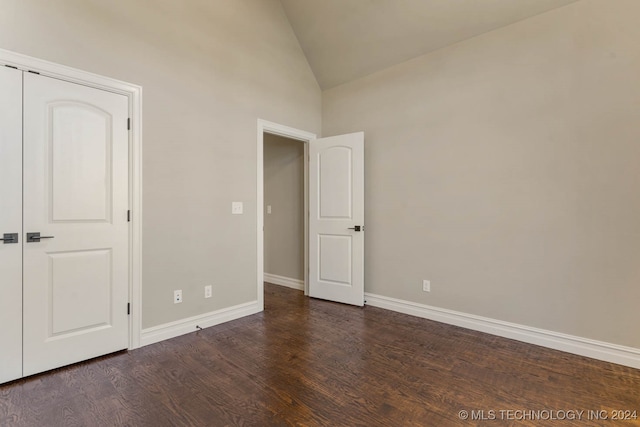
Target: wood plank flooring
[(315, 363)]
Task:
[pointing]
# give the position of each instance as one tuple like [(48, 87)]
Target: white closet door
[(336, 220), (76, 197), (10, 223)]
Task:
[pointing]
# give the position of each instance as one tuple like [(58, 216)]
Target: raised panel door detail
[(76, 191), (336, 204), (334, 169), (80, 289), (80, 157), (335, 259)]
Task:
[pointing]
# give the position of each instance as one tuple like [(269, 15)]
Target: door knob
[(35, 237), (9, 238), (357, 228)]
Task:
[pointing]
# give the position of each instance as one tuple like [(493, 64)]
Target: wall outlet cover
[(426, 285), (237, 208), (177, 296)]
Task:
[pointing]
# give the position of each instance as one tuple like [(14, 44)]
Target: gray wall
[(284, 191), (505, 169), (208, 69)]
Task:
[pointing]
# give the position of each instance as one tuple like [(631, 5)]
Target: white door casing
[(76, 190), (336, 209), (10, 222), (265, 126)]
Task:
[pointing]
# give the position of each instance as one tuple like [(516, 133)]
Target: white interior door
[(76, 196), (336, 218), (10, 224)]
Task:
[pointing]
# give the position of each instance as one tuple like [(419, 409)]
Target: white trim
[(600, 350), (284, 281), (135, 164), (62, 72), (134, 93), (288, 132), (184, 326)]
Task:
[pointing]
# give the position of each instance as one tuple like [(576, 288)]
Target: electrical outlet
[(426, 285), (269, 209), (177, 296), (207, 291)]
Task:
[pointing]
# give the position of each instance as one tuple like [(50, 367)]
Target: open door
[(336, 218)]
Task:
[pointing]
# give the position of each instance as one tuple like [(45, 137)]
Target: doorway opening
[(282, 176), (284, 211)]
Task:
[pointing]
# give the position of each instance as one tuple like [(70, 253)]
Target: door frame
[(265, 126), (134, 95)]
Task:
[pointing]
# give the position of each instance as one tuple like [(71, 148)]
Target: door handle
[(9, 238), (35, 237), (357, 228)]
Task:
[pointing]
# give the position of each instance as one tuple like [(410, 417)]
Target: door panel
[(76, 192), (10, 222), (80, 144), (83, 276), (336, 204), (335, 183), (335, 259)]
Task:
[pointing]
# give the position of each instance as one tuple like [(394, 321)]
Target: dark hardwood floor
[(316, 363)]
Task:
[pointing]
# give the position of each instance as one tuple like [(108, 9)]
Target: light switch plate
[(236, 208), (268, 209)]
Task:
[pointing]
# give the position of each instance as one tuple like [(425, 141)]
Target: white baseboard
[(284, 281), (628, 356), (180, 327)]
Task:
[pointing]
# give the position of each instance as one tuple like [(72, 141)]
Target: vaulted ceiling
[(347, 39)]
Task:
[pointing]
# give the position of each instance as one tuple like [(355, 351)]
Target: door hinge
[(128, 308), (128, 124), (129, 216)]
